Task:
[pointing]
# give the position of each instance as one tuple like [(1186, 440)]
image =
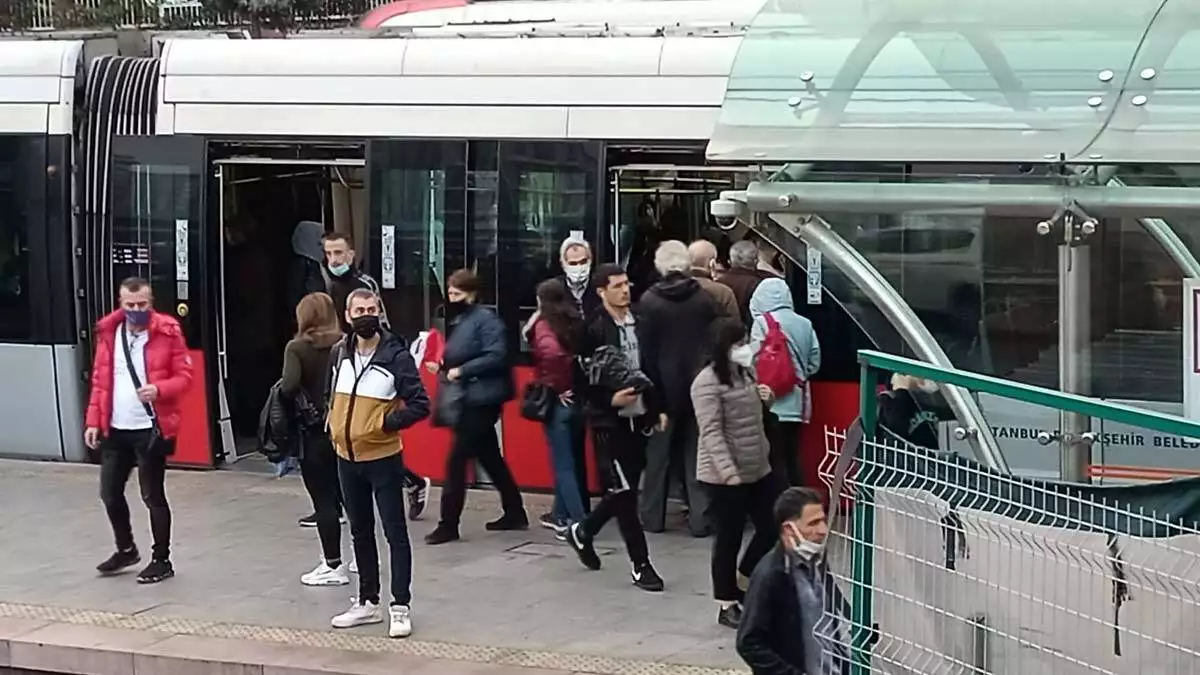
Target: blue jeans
[(568, 501)]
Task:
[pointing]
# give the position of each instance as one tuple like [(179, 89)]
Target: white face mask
[(578, 274), (742, 355), (804, 549)]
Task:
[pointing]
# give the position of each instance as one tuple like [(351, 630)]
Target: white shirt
[(128, 413), (361, 360)]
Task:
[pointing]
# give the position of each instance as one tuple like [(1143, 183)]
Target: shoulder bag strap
[(137, 381)]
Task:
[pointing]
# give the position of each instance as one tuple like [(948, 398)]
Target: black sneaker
[(308, 521), (730, 616), (441, 535), (418, 497), (583, 547), (514, 521), (548, 521), (119, 561), (646, 578), (156, 571)]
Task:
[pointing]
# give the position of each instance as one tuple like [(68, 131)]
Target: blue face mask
[(339, 270), (137, 317)]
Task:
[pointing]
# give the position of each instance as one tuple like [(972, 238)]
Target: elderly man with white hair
[(575, 255), (704, 262), (677, 315)]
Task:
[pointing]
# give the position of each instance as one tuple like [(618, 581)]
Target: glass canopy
[(1030, 81)]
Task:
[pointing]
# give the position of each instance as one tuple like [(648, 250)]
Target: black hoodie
[(678, 316)]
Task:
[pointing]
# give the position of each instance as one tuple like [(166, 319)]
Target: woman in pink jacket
[(554, 335)]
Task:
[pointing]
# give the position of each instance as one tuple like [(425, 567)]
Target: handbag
[(157, 444), (537, 402), (448, 403)]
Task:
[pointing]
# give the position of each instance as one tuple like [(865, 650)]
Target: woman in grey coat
[(733, 463)]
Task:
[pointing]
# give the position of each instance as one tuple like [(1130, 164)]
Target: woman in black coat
[(476, 359)]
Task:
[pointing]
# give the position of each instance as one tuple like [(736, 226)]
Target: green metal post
[(862, 551)]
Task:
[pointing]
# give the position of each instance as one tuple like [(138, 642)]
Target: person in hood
[(788, 412), (375, 392), (308, 265), (678, 314), (344, 278)]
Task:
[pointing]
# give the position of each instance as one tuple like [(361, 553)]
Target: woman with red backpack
[(786, 355)]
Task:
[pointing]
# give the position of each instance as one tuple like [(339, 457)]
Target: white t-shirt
[(361, 361), (128, 413)]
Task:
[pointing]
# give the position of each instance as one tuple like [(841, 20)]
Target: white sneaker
[(400, 624), (359, 614), (324, 575), (353, 567)]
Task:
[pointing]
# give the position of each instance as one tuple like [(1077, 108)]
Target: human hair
[(743, 254), (672, 257), (465, 280), (363, 294), (134, 284), (791, 503), (703, 253), (570, 243), (603, 275), (339, 236), (558, 310), (726, 333), (316, 318)]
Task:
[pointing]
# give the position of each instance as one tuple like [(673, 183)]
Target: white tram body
[(613, 87), (39, 356), (543, 16)]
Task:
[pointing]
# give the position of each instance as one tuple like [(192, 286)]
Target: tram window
[(15, 305)]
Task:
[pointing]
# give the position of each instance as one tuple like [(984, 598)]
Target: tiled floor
[(239, 554)]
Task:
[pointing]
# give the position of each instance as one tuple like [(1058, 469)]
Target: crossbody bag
[(157, 443)]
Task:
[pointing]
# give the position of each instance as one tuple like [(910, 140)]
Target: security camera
[(725, 212)]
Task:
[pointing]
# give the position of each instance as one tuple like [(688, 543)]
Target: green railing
[(863, 520)]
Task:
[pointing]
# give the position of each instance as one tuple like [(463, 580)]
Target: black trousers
[(367, 485), (784, 439), (319, 469), (120, 452), (731, 505), (620, 460), (475, 438)]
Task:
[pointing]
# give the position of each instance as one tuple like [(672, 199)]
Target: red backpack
[(774, 367)]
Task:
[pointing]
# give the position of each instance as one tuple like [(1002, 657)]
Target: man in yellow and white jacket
[(375, 392)]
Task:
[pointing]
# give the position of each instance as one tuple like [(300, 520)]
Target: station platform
[(493, 604)]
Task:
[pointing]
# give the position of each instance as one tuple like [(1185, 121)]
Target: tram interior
[(263, 203)]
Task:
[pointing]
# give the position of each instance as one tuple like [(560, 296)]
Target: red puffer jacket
[(168, 366), (554, 363)]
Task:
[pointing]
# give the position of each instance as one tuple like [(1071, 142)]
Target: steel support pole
[(1074, 348)]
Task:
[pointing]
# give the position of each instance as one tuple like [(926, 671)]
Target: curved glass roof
[(1100, 81)]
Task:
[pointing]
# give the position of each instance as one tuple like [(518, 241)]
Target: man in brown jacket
[(704, 259), (743, 276)]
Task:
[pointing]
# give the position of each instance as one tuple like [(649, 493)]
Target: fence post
[(862, 550)]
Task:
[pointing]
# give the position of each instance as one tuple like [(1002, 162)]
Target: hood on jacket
[(770, 296), (306, 240), (677, 287)]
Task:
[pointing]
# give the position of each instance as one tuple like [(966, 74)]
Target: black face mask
[(365, 326)]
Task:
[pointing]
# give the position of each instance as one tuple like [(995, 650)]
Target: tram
[(437, 147)]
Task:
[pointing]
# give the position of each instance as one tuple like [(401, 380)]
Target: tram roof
[(548, 14), (37, 85), (1085, 81)]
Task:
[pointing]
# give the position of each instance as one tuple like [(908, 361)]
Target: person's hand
[(91, 438), (765, 394), (148, 393), (624, 398), (567, 398), (734, 480), (453, 374), (662, 421), (431, 367)]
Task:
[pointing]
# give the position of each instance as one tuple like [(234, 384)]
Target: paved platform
[(501, 603)]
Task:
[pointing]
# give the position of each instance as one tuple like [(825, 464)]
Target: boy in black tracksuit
[(620, 421)]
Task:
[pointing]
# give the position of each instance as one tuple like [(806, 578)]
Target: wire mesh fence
[(953, 568)]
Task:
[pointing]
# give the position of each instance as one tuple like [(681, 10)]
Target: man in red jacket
[(139, 375)]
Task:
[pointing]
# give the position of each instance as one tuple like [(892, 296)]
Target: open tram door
[(154, 229)]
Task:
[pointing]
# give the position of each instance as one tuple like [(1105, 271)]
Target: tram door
[(155, 224)]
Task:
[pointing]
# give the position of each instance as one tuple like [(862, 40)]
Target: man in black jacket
[(344, 278), (783, 629), (677, 315), (620, 420)]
